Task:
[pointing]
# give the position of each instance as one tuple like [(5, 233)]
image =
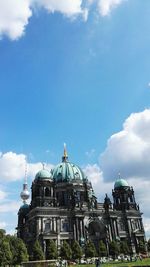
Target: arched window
[(37, 191), (65, 198), (48, 226), (64, 225), (47, 192), (121, 225)]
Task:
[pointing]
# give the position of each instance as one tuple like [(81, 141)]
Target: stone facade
[(64, 207)]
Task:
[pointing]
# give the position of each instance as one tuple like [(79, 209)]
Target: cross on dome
[(65, 156)]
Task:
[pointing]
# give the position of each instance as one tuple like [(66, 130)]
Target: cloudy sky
[(74, 71)]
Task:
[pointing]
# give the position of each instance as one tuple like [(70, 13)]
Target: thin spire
[(43, 164), (25, 185), (119, 175), (65, 151), (65, 156), (25, 177)]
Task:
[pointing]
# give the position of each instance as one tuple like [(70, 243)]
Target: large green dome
[(43, 174), (120, 183), (67, 171)]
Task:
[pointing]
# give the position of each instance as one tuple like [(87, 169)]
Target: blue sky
[(74, 72)]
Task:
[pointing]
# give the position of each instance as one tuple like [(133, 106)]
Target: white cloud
[(69, 8), (128, 151), (2, 195), (90, 153), (10, 206), (95, 175), (3, 225), (105, 6), (11, 232), (147, 226), (12, 167), (14, 16)]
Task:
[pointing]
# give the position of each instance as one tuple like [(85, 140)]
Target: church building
[(64, 207)]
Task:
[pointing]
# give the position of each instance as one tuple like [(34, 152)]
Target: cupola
[(67, 171)]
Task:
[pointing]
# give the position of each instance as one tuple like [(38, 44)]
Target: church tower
[(128, 225), (123, 196)]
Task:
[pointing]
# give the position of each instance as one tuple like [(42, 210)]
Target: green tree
[(76, 250), (51, 250), (114, 249), (2, 233), (65, 251), (141, 247), (90, 250), (102, 251), (18, 249), (37, 252), (5, 253), (124, 247)]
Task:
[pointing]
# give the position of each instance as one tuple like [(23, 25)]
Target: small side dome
[(24, 208), (43, 174), (120, 183)]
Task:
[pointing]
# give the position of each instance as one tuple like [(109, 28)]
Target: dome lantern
[(43, 174), (120, 183), (67, 171), (65, 156)]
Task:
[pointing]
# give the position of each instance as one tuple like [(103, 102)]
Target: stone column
[(115, 230), (42, 225), (58, 232), (37, 226), (77, 229), (83, 230), (55, 224), (112, 228), (110, 234), (129, 226), (51, 192), (117, 227), (59, 225), (74, 231), (141, 223), (52, 224)]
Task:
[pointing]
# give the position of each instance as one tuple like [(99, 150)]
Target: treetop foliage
[(12, 250), (66, 251)]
